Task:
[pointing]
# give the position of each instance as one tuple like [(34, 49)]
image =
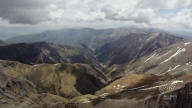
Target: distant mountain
[(87, 36), (21, 30), (64, 36), (7, 32), (4, 36), (71, 36), (187, 35)]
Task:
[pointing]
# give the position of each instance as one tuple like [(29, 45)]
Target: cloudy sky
[(166, 14)]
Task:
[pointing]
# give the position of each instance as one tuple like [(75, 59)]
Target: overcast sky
[(166, 14)]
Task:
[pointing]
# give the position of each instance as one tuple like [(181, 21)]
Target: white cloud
[(90, 17), (165, 4), (182, 18), (161, 13), (56, 16)]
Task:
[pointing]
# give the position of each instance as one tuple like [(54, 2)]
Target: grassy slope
[(17, 91), (46, 83), (62, 79)]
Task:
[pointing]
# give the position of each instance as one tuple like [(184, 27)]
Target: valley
[(88, 68)]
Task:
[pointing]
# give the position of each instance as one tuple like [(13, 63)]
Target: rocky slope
[(142, 91), (42, 52), (171, 60), (132, 46)]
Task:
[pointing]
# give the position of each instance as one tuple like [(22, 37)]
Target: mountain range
[(87, 36), (89, 68)]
